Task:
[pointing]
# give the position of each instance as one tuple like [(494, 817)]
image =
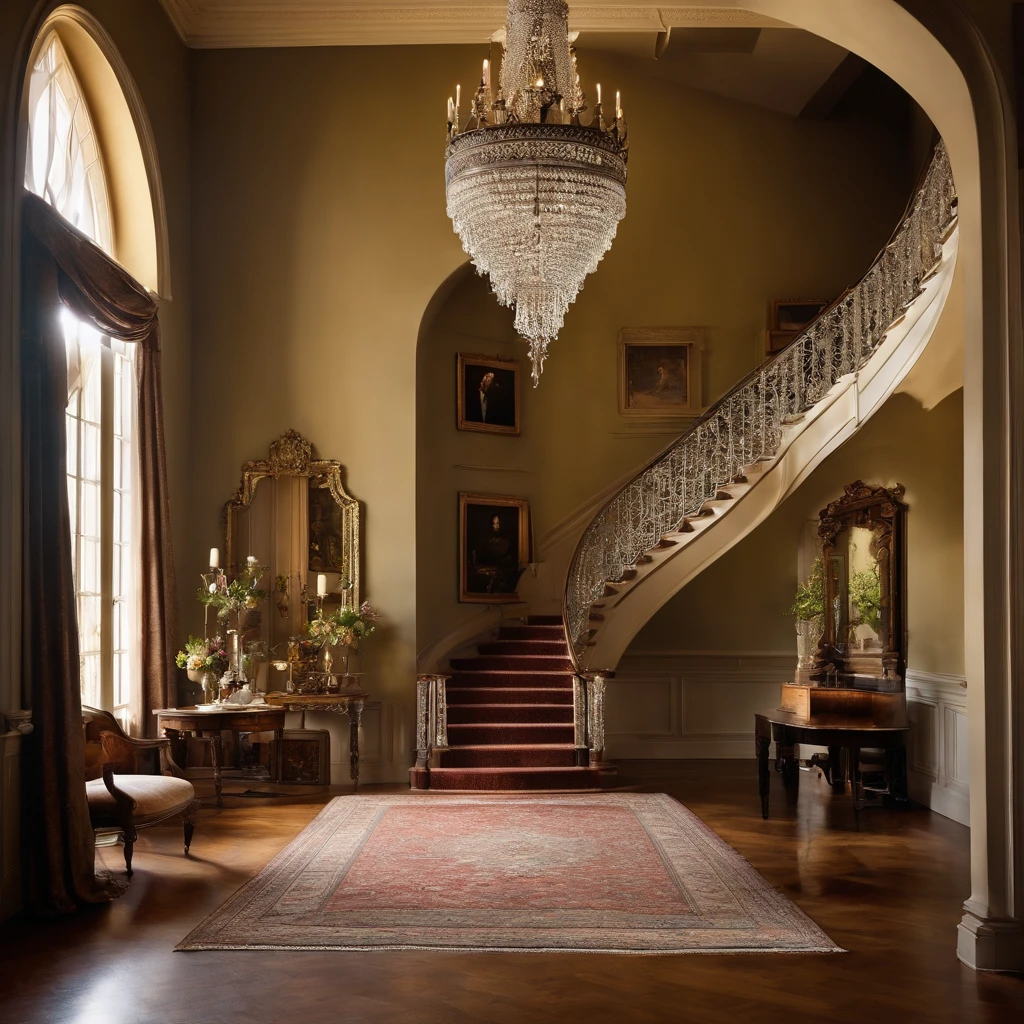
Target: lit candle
[(618, 105), (487, 74), (451, 110), (214, 558), (458, 97), (599, 93), (321, 585)]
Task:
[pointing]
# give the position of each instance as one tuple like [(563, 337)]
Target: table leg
[(279, 753), (763, 774), (896, 771), (790, 768), (215, 753), (355, 717), (836, 775), (853, 753)]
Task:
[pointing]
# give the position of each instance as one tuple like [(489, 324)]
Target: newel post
[(588, 717), (431, 718)]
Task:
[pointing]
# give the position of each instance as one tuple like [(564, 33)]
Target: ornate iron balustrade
[(746, 426)]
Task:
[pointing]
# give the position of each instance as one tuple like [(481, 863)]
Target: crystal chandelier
[(535, 194)]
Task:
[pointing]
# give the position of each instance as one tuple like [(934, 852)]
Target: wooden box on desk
[(828, 704)]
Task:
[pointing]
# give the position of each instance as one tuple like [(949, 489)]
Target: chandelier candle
[(534, 192)]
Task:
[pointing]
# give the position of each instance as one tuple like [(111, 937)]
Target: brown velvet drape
[(60, 265)]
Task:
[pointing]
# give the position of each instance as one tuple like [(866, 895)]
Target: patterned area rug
[(622, 873)]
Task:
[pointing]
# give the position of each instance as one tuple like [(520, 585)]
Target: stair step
[(513, 663), (551, 696), (551, 755), (471, 713), (555, 647), (500, 733), (544, 620), (505, 779), (531, 632), (512, 679)]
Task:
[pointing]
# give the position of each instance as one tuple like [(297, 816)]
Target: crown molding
[(210, 24)]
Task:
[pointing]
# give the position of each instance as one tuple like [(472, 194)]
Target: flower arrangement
[(347, 627), (203, 655), (809, 604), (238, 596)]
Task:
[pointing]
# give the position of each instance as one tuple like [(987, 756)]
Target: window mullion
[(106, 532)]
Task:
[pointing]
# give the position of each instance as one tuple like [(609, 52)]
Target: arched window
[(66, 166)]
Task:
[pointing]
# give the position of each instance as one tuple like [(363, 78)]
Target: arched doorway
[(941, 59)]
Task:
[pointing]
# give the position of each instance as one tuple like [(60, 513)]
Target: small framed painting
[(494, 547), (488, 394), (794, 314), (660, 371)]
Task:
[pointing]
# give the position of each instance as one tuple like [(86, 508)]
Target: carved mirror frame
[(292, 455), (883, 511)]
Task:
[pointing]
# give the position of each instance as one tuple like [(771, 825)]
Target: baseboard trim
[(943, 799)]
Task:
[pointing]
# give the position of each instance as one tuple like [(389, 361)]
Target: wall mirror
[(293, 514), (864, 641)]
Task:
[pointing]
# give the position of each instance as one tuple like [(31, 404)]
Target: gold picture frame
[(492, 556), (660, 372), (487, 394)]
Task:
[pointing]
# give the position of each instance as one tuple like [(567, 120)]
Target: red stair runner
[(510, 716)]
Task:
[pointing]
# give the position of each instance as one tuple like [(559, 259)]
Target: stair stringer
[(806, 444)]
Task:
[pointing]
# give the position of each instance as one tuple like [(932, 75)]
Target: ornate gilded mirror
[(293, 514), (864, 639)]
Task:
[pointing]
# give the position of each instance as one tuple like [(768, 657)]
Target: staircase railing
[(746, 425)]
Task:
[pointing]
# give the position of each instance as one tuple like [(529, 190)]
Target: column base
[(986, 944)]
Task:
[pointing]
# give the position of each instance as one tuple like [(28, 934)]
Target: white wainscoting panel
[(937, 774), (665, 704)]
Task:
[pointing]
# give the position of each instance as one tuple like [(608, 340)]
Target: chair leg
[(188, 822), (129, 836)]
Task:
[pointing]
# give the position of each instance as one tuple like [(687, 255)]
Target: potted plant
[(808, 609), (866, 595)]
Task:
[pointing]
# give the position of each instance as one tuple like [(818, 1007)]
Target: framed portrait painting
[(660, 371), (494, 547), (488, 394)]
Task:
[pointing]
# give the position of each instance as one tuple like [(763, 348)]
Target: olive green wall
[(729, 206), (739, 602)]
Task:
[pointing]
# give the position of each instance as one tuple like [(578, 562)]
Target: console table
[(210, 724), (349, 704), (787, 730)]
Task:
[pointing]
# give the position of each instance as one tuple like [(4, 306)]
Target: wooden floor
[(890, 892)]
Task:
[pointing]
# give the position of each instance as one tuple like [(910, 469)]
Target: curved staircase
[(527, 712), (738, 461), (510, 720)]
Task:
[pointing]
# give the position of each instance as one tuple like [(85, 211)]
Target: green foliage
[(866, 595), (233, 598), (809, 603)]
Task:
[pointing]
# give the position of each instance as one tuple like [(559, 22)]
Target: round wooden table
[(840, 733), (210, 724)]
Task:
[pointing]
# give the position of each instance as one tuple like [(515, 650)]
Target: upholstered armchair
[(132, 783)]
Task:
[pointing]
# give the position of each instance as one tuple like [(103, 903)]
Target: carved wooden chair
[(132, 783)]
